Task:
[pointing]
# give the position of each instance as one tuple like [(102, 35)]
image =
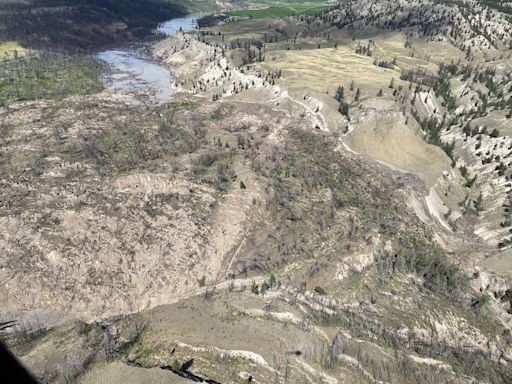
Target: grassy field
[(380, 137), (281, 11), (48, 76), (8, 49), (500, 263), (495, 119), (394, 144), (323, 70), (422, 53)]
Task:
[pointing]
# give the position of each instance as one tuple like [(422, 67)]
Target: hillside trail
[(229, 222)]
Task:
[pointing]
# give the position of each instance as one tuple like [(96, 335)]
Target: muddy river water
[(133, 70)]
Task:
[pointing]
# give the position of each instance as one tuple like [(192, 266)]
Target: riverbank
[(134, 70)]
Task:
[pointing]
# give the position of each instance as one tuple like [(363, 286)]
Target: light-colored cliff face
[(107, 222)]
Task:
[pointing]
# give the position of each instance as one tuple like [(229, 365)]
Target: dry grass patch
[(392, 45), (380, 137), (8, 49), (495, 119), (323, 70), (501, 263)]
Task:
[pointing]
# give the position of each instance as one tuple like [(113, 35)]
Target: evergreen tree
[(343, 108), (340, 93)]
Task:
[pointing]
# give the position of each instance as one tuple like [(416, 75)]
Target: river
[(133, 70)]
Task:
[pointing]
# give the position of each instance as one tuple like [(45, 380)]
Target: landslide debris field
[(325, 198)]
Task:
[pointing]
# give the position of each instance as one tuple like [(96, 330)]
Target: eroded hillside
[(324, 200)]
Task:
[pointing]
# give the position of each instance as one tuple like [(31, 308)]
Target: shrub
[(320, 290), (254, 288)]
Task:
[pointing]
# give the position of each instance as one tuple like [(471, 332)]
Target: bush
[(463, 171), (481, 301), (320, 290), (254, 288), (176, 366)]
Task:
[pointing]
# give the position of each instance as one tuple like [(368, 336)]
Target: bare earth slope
[(325, 200)]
